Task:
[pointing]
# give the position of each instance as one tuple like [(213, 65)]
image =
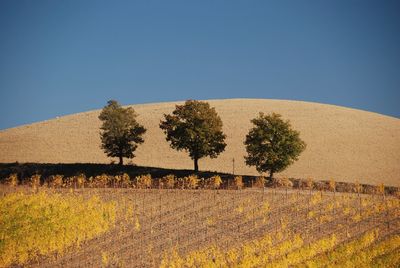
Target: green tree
[(196, 128), (120, 133), (272, 145)]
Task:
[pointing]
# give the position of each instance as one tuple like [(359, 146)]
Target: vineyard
[(211, 227)]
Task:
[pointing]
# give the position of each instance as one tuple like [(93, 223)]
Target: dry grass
[(342, 144)]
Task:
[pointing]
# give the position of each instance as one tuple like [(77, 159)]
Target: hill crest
[(344, 144)]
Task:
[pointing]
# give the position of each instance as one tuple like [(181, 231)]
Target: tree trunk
[(121, 161), (196, 164), (271, 173)]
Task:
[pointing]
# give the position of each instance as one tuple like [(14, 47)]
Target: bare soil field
[(342, 144)]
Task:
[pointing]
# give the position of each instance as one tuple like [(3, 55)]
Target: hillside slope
[(343, 144)]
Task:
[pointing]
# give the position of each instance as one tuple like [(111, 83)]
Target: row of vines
[(192, 182)]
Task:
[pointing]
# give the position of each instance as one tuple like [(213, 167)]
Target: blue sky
[(63, 57)]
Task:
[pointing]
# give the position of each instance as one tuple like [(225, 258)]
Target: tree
[(120, 133), (196, 128), (272, 145)]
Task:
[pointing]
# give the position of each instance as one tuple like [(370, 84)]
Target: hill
[(342, 144)]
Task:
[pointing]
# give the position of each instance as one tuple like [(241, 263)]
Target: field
[(342, 144), (62, 204), (251, 227)]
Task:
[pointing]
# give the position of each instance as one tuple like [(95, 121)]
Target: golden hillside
[(343, 144)]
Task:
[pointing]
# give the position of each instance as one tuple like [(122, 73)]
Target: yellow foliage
[(330, 206), (292, 252), (316, 198), (284, 223), (137, 225), (251, 254), (110, 260), (12, 180), (238, 182), (358, 187), (210, 221), (239, 209), (34, 181), (56, 181), (365, 202), (216, 181), (105, 259), (324, 218), (311, 214), (303, 253), (191, 181), (122, 180), (41, 224), (265, 207), (368, 255), (346, 210), (100, 181), (393, 203), (144, 181), (339, 256), (169, 181), (80, 180), (332, 185), (380, 189), (384, 256), (356, 218)]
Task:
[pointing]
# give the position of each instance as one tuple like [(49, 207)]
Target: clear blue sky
[(63, 57)]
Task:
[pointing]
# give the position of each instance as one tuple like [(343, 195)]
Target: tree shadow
[(26, 170)]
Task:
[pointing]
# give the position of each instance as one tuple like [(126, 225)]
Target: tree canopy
[(196, 128), (272, 145), (120, 132)]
